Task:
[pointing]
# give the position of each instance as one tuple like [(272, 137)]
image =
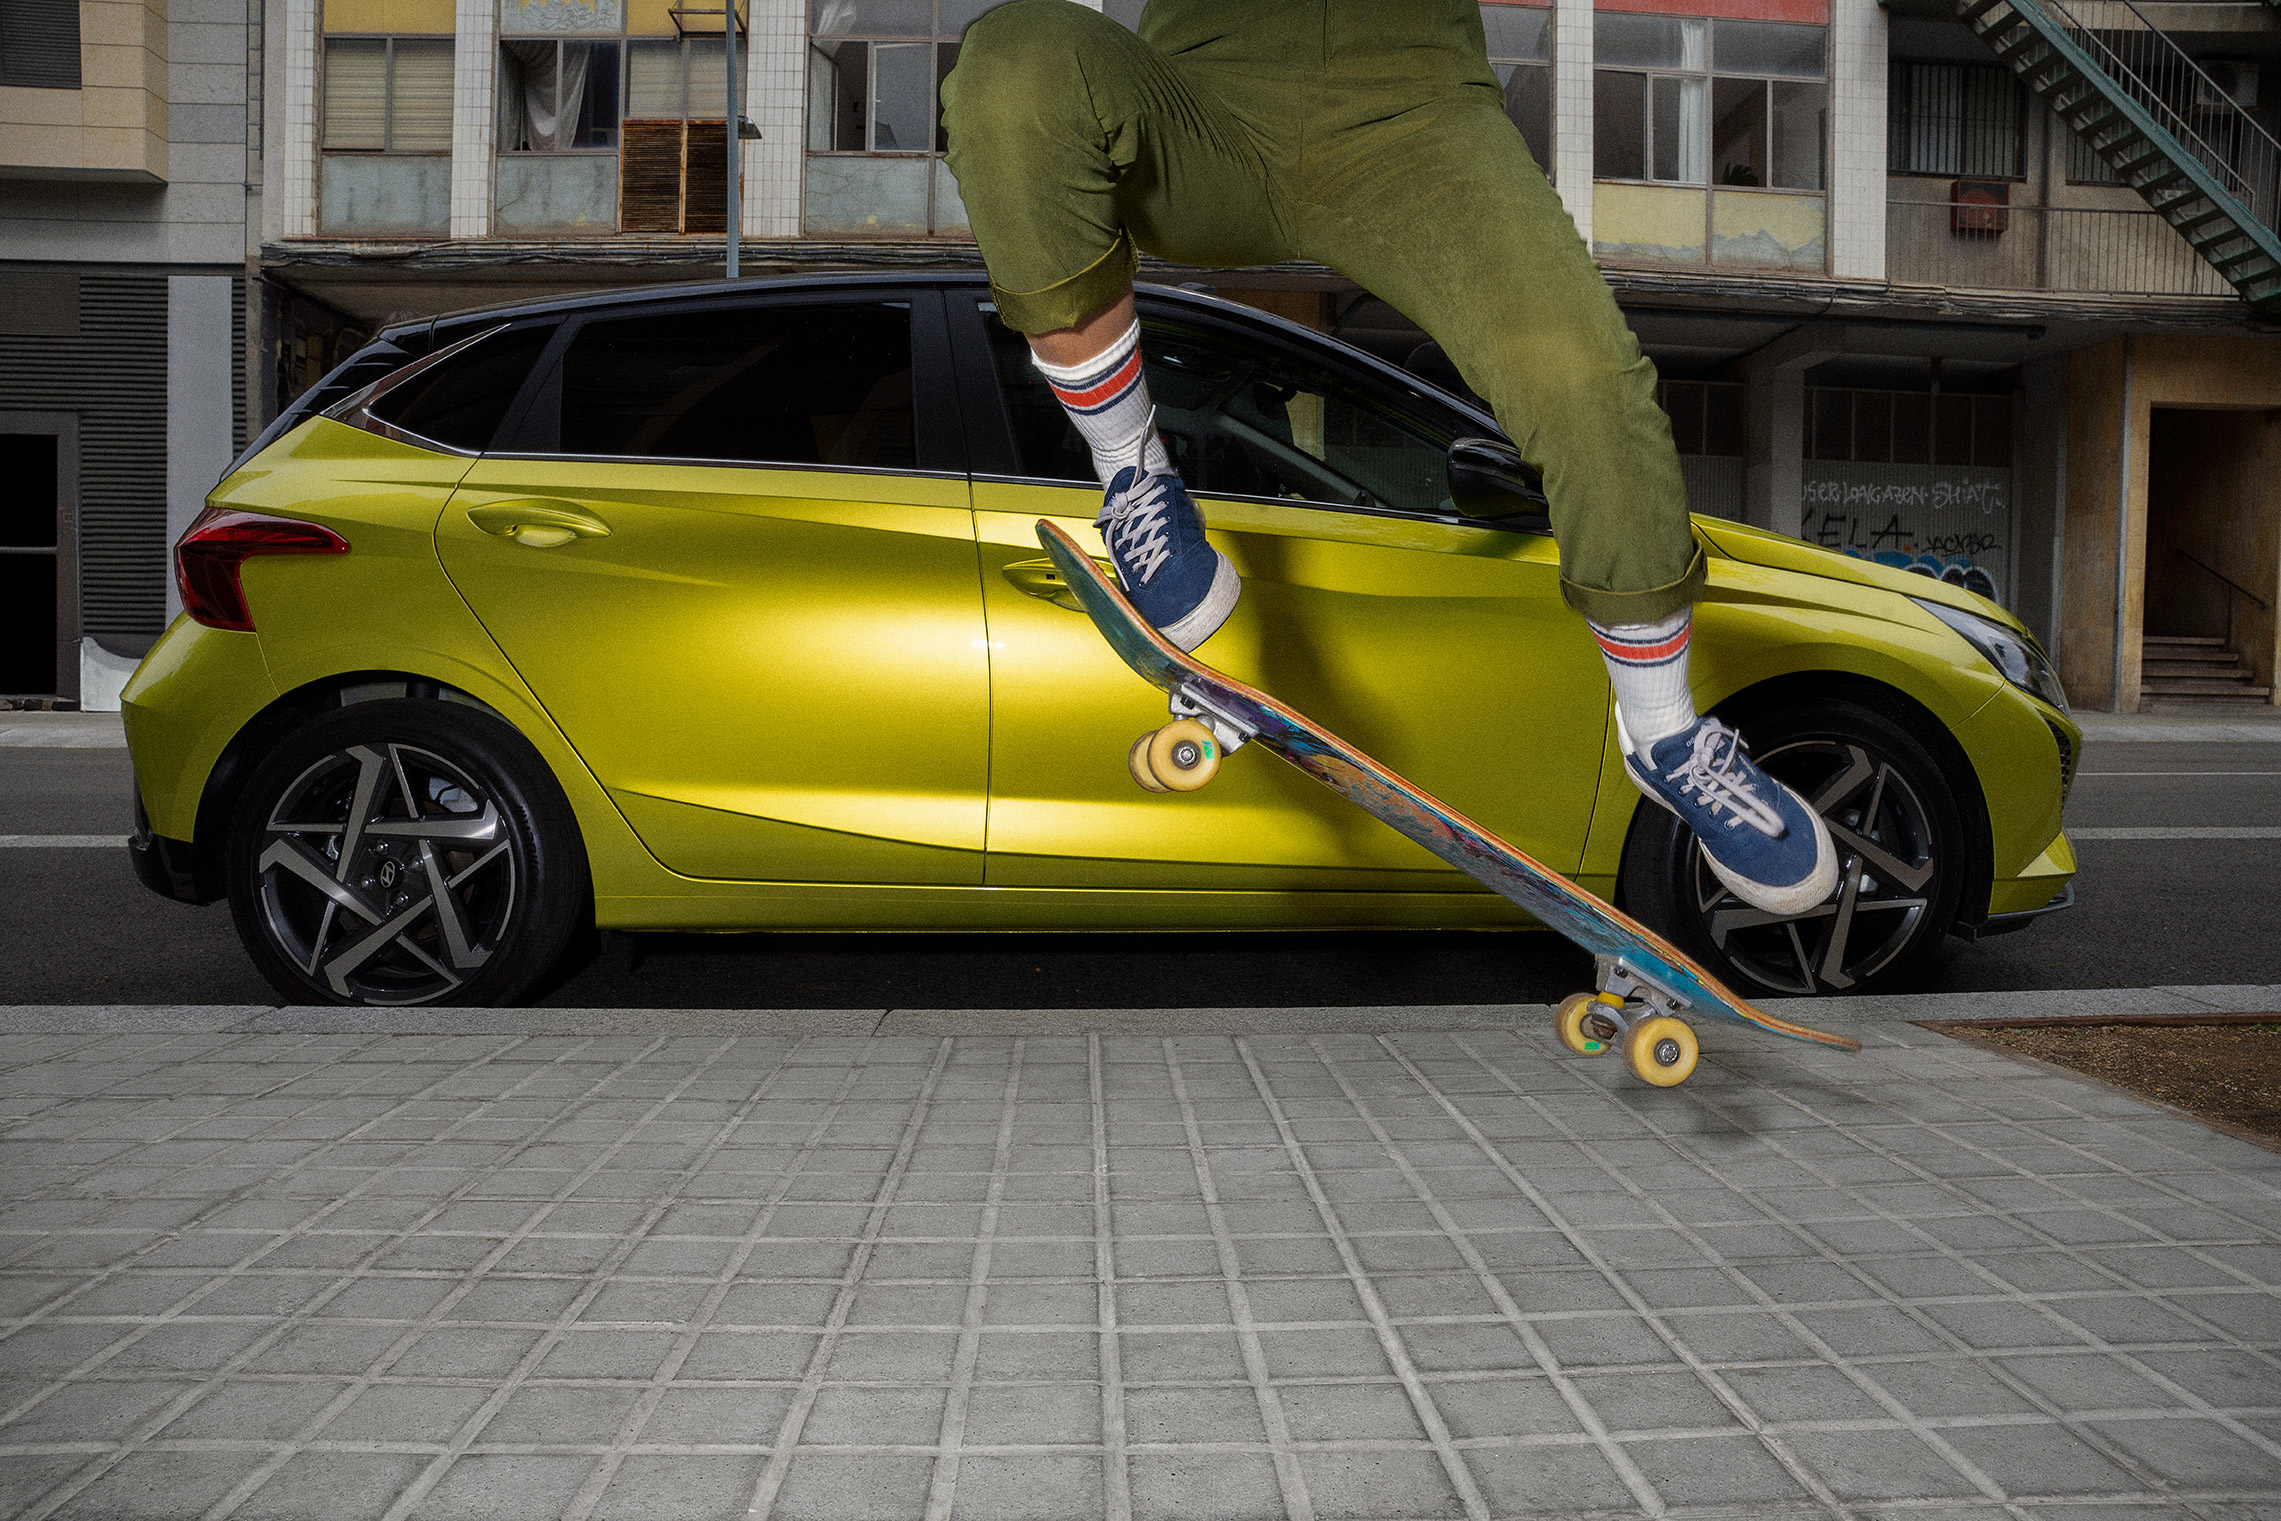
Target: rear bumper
[(167, 867)]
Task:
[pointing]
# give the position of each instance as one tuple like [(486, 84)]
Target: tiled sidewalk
[(502, 1275)]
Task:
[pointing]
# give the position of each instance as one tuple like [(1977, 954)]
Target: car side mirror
[(1491, 483)]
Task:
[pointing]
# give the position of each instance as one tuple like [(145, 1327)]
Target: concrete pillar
[(1774, 419), (1572, 109), (474, 116), (297, 149), (1857, 63), (2039, 488), (776, 99)]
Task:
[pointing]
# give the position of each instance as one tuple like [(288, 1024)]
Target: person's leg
[(1440, 211), (1069, 137)]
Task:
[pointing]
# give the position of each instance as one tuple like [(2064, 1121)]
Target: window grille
[(1955, 120)]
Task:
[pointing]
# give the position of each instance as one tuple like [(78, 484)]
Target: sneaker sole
[(1203, 620), (1808, 892)]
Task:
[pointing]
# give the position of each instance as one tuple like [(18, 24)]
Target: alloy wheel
[(1888, 876), (387, 873)]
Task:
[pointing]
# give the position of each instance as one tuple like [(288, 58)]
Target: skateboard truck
[(1633, 1011), (1229, 730)]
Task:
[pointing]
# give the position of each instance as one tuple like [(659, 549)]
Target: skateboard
[(1644, 983)]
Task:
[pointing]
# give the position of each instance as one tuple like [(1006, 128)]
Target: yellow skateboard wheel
[(1183, 755), (1661, 1050), (1136, 761), (1579, 1027)]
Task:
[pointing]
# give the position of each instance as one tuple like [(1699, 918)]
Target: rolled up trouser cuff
[(1656, 603), (1065, 303)]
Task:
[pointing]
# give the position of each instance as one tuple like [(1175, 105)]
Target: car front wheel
[(1901, 862), (405, 852)]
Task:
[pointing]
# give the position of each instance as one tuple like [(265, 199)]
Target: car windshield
[(1244, 420)]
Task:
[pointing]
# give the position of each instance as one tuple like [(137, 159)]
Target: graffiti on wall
[(1950, 522)]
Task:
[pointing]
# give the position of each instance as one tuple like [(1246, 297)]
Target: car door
[(722, 549), (1439, 647)]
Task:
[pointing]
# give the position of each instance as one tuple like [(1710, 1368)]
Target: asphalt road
[(75, 927)]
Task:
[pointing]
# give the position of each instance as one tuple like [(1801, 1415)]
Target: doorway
[(2213, 546), (39, 602)]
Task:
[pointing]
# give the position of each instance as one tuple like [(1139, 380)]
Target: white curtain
[(1694, 103), (543, 98)]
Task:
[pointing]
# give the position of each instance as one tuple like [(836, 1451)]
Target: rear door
[(729, 546), (1440, 648)]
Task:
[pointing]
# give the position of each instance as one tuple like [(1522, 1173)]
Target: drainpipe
[(2122, 530)]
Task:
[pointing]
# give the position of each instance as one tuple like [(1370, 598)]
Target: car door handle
[(1042, 579), (540, 523)]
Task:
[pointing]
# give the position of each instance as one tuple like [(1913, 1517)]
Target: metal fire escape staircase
[(2165, 127)]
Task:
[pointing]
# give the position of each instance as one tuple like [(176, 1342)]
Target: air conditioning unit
[(2230, 82), (673, 177), (1979, 208)]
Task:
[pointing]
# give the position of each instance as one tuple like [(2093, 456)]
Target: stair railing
[(2179, 93), (2229, 581)]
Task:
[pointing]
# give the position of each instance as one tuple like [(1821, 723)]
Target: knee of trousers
[(1014, 62)]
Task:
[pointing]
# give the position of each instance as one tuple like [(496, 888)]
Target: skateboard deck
[(1637, 963)]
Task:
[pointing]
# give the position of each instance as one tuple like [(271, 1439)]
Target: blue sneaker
[(1763, 842), (1182, 585)]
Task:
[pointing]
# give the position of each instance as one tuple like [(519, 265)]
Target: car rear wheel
[(1901, 862), (405, 852)]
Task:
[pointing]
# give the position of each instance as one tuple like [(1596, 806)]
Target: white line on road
[(63, 841), (2180, 832), (2178, 773)]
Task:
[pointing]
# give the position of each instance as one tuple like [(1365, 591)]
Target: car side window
[(792, 385), (461, 401), (1241, 420)]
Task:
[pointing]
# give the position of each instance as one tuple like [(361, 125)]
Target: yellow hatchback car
[(722, 608)]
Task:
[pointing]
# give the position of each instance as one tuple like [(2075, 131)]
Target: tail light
[(206, 560)]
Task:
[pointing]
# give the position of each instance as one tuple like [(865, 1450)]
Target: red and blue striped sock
[(1106, 397), (1647, 665)]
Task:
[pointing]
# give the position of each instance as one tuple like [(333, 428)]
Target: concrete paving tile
[(424, 1413), (1601, 1341), (1950, 1387), (2229, 1378), (682, 1487), (351, 1486), (1153, 1356), (2201, 1454), (504, 1487), (1048, 1355), (1502, 1407), (1338, 1352), (2042, 1460), (1539, 1479), (1715, 1470), (465, 1352), (560, 1415), (898, 1356), (1730, 1337), (160, 1485), (1015, 1414), (606, 1353), (1878, 1465), (27, 1476), (1026, 1487), (693, 1415), (93, 1410), (830, 1486), (1035, 1303), (873, 1416), (769, 1303), (1380, 1412), (746, 1355), (1379, 1484), (1205, 1486), (1193, 1414), (1650, 1401)]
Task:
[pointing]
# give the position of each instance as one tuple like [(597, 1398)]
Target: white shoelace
[(1712, 772), (1134, 526)]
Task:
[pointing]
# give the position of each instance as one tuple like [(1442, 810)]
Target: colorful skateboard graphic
[(1645, 982)]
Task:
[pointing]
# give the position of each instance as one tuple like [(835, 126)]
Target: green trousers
[(1368, 135)]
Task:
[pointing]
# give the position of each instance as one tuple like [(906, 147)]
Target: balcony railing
[(1974, 246)]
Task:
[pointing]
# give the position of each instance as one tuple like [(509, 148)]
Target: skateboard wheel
[(1136, 761), (1661, 1050), (1581, 1022), (1183, 755)]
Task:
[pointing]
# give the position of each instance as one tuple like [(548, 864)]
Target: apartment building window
[(558, 95), (1685, 100), (39, 44), (387, 95), (678, 79), (1955, 120), (875, 137), (1520, 50)]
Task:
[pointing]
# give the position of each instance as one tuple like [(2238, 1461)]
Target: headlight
[(2021, 662)]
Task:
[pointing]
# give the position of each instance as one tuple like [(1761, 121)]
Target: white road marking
[(2181, 832), (2178, 773), (63, 841)]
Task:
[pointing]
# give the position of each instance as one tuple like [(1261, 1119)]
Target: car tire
[(454, 830), (1901, 873)]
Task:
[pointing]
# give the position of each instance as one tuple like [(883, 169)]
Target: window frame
[(1502, 61), (1896, 121), (1709, 74), (387, 91), (531, 428), (618, 41), (997, 458)]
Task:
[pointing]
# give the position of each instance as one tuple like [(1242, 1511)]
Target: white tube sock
[(1107, 398), (1647, 665)]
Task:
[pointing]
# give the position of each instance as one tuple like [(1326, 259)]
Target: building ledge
[(502, 268)]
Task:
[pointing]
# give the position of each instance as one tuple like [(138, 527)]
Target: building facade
[(1972, 288)]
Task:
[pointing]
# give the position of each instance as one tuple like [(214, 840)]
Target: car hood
[(1778, 551)]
